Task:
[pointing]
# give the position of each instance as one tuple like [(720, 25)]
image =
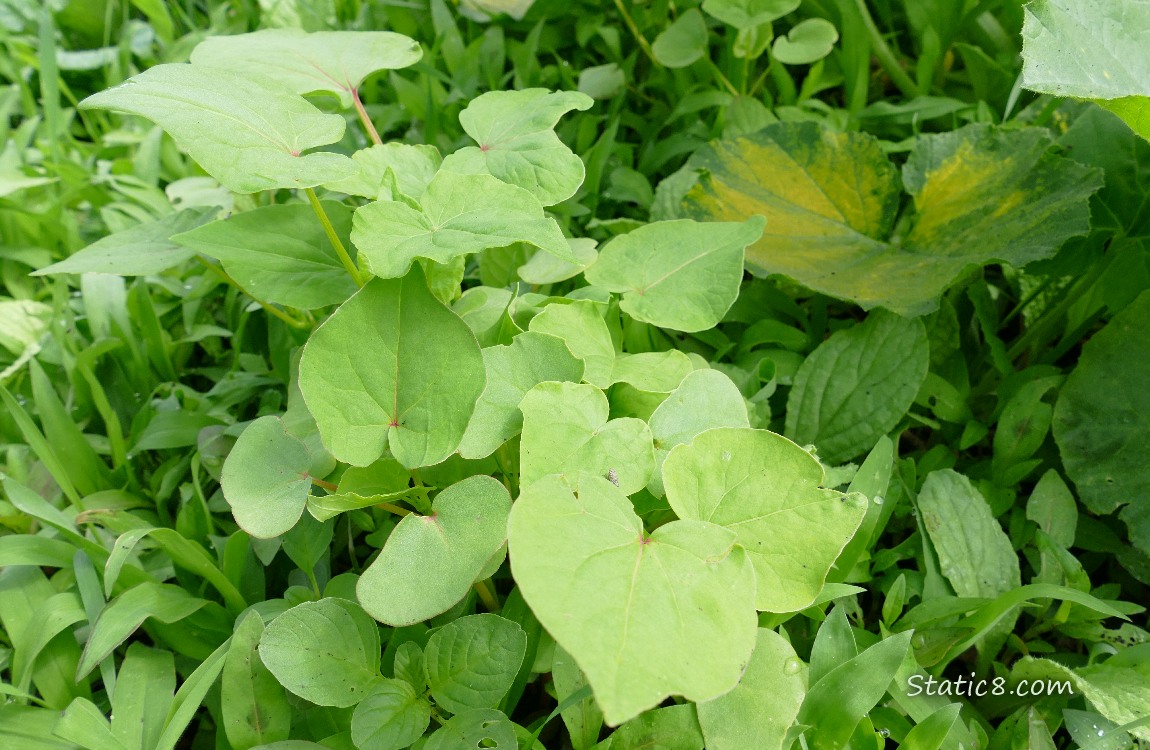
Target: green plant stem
[(368, 125), (885, 55), (722, 78), (487, 596), (332, 237), (324, 484), (392, 508), (642, 40), (270, 309)]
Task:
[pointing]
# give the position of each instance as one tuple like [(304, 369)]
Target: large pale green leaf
[(471, 662), (1102, 420), (704, 399), (272, 250), (566, 431), (771, 692), (512, 371), (517, 141), (582, 328), (458, 214), (265, 478), (332, 61), (392, 368), (767, 490), (682, 274), (249, 134), (142, 250), (1090, 49), (326, 652), (429, 562), (643, 616), (981, 194), (857, 385)]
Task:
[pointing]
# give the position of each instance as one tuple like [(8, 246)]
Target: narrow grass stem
[(885, 55), (642, 40)]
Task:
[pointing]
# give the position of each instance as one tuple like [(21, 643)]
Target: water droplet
[(884, 732), (1101, 733), (878, 500), (919, 641), (792, 666)]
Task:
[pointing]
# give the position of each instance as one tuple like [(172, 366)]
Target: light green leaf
[(682, 275), (254, 706), (581, 326), (517, 142), (683, 42), (415, 385), (143, 250), (809, 41), (83, 723), (745, 14), (383, 168), (767, 491), (429, 562), (391, 717), (332, 61), (361, 486), (981, 194), (643, 616), (144, 689), (931, 732), (512, 371), (857, 385), (566, 431), (458, 214), (265, 478), (471, 662), (1101, 423), (270, 249), (326, 652), (583, 718), (1118, 688), (483, 727), (771, 691), (221, 119), (545, 268), (652, 372), (670, 728)]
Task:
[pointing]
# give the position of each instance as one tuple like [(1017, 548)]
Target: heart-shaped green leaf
[(683, 275), (417, 370), (471, 662), (248, 134), (332, 61), (429, 562), (981, 194), (565, 431), (809, 41), (269, 249), (643, 616), (512, 371), (683, 42), (517, 141), (265, 478), (458, 214), (766, 489)]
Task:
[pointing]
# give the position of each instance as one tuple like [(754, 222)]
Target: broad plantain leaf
[(265, 478), (767, 491), (416, 368), (683, 275), (643, 616), (981, 194), (429, 562), (471, 662), (248, 134)]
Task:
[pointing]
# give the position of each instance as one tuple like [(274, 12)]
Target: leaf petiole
[(336, 242)]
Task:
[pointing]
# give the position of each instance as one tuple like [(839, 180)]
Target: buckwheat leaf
[(265, 478), (412, 168), (704, 399), (458, 214), (430, 562), (517, 141), (1101, 423), (652, 372), (270, 249), (566, 432), (981, 194), (771, 690), (326, 652), (766, 490), (583, 329), (683, 275), (857, 385), (643, 616), (512, 371), (391, 717), (249, 134), (471, 662), (545, 268), (394, 369), (332, 61)]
